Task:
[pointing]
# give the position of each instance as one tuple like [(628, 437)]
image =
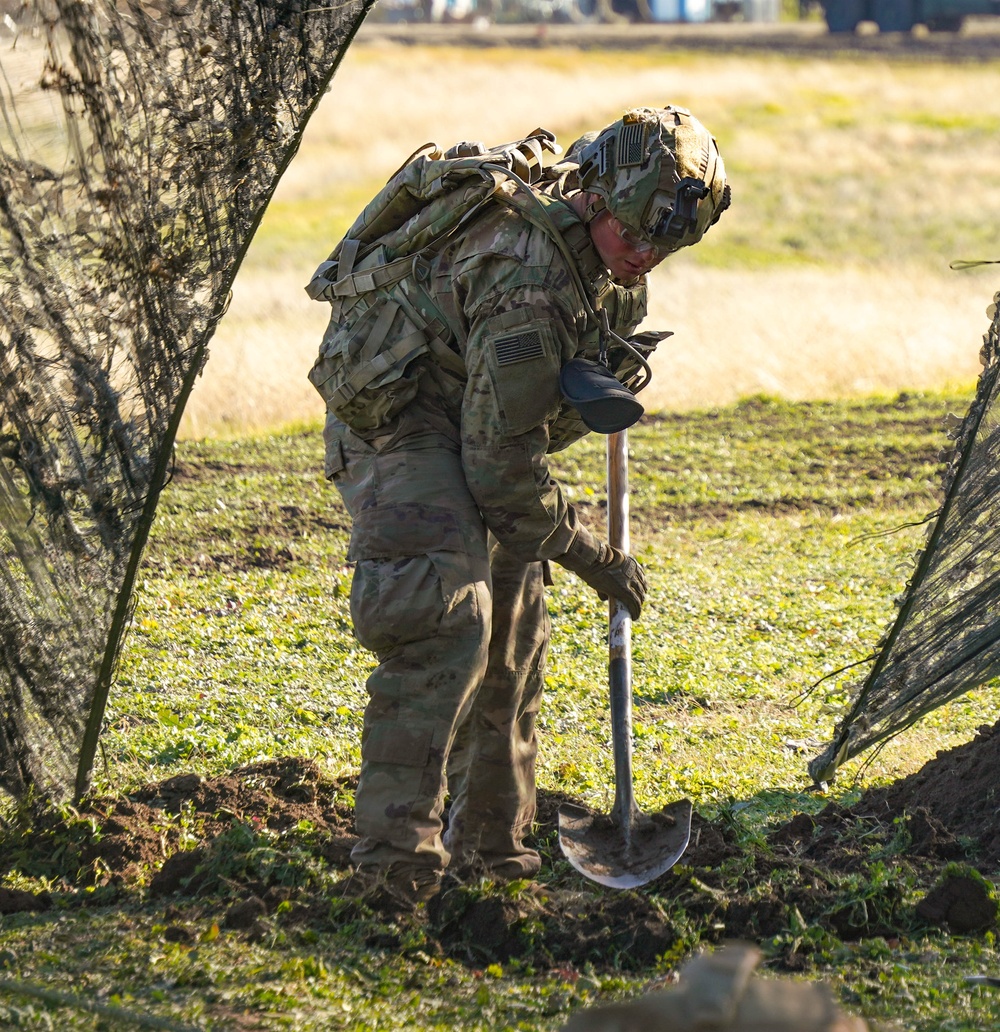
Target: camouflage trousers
[(461, 631)]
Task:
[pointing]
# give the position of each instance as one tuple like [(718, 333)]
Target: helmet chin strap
[(595, 205)]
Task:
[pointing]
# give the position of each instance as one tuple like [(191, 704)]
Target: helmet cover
[(659, 172)]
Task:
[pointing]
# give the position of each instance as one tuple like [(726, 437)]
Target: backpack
[(366, 370)]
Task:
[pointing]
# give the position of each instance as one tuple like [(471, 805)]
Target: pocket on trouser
[(405, 599), (399, 789), (402, 743), (395, 601)]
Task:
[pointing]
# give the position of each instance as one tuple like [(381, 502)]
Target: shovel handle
[(620, 636), (618, 532)]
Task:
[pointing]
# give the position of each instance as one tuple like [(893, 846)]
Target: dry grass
[(795, 333), (856, 182), (812, 333)]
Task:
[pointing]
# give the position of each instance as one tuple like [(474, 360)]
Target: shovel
[(626, 848)]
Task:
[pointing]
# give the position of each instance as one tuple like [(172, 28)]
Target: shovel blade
[(610, 853)]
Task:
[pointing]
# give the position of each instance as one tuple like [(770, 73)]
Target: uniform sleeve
[(515, 350)]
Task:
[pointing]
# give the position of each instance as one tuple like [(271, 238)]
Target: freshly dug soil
[(960, 789), (938, 824)]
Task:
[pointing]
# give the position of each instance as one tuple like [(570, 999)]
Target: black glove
[(608, 570)]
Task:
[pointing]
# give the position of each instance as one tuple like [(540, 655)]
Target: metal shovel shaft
[(624, 810), (626, 849)]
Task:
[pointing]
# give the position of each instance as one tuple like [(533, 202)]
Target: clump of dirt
[(551, 925), (960, 902), (276, 794), (243, 850), (936, 819), (166, 829), (19, 901)]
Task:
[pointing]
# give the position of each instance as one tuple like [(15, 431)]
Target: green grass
[(755, 524)]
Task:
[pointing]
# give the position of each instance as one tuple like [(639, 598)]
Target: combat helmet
[(659, 172)]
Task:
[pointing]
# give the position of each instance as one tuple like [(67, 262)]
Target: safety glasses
[(637, 243)]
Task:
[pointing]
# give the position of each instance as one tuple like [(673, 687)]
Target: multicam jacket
[(503, 300)]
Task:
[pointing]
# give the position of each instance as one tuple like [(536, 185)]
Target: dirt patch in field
[(268, 846), (270, 543), (961, 789)]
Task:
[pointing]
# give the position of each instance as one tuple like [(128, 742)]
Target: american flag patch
[(631, 144), (518, 347)]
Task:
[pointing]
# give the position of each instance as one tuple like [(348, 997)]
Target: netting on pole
[(139, 145), (945, 639)]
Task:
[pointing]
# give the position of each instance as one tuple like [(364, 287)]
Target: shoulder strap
[(556, 218), (351, 284)]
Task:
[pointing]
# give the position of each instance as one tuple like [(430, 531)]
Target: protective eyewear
[(637, 243)]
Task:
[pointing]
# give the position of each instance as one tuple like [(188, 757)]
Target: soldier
[(455, 513)]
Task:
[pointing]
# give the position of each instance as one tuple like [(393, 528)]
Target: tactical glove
[(608, 570)]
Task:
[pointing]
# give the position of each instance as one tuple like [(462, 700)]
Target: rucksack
[(366, 368)]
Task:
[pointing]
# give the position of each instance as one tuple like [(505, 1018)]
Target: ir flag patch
[(518, 347)]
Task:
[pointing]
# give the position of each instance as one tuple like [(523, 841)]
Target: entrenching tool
[(626, 848)]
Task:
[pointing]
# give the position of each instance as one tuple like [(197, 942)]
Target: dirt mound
[(269, 844), (158, 835), (958, 788)]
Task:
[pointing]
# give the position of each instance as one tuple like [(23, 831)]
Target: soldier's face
[(626, 255)]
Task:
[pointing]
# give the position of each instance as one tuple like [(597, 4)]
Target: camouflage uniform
[(455, 514)]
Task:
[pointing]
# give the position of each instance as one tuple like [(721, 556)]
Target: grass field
[(856, 182), (755, 524)]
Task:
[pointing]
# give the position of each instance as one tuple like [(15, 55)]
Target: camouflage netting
[(139, 146), (945, 640)]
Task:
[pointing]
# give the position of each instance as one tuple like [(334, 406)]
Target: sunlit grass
[(755, 524)]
